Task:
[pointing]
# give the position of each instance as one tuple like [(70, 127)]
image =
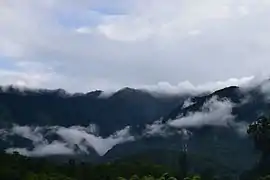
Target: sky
[(85, 45)]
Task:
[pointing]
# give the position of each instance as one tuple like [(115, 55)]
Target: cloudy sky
[(103, 44)]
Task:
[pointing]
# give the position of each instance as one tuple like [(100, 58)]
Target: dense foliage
[(17, 167), (259, 131), (14, 167), (211, 159)]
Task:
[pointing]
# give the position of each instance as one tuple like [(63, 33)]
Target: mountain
[(56, 107), (219, 141), (225, 143), (212, 125), (248, 104)]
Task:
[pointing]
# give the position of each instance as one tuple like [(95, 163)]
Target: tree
[(259, 131)]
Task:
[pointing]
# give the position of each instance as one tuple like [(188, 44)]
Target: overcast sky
[(81, 45)]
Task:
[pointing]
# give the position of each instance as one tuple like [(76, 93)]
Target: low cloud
[(54, 148), (159, 129), (27, 132), (83, 140), (265, 90), (188, 88), (156, 129), (241, 128), (79, 139), (75, 139), (214, 112), (188, 103), (3, 134)]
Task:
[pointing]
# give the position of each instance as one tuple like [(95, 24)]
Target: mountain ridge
[(138, 109)]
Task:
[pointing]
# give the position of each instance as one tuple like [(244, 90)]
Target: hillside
[(57, 107), (56, 123)]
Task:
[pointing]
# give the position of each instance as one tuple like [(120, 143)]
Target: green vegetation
[(259, 131), (17, 167), (129, 107)]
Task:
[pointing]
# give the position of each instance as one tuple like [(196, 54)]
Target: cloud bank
[(72, 140), (159, 129), (44, 149), (214, 112), (187, 87)]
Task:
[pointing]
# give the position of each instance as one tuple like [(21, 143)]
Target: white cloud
[(159, 19), (24, 79), (54, 148), (159, 129), (243, 10), (156, 129), (97, 44), (187, 87), (3, 134), (31, 133), (71, 138), (214, 112), (186, 134), (241, 128), (188, 103), (78, 139), (265, 89), (101, 145), (195, 32)]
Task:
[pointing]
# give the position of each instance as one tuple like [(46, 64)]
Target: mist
[(214, 112), (72, 140)]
